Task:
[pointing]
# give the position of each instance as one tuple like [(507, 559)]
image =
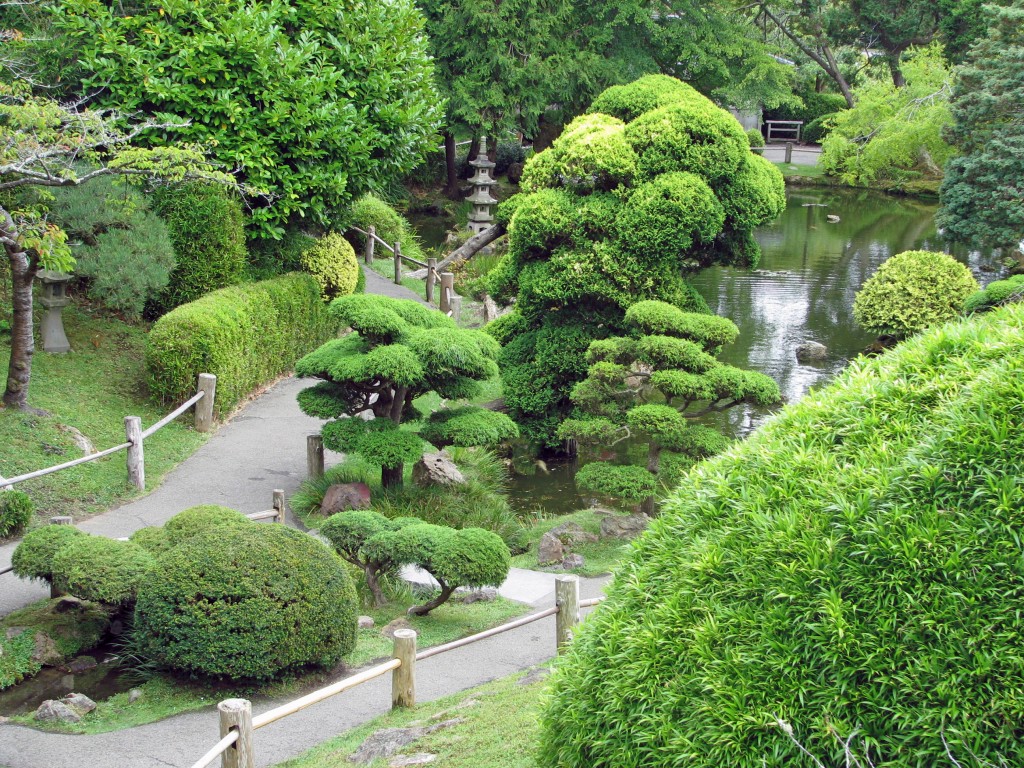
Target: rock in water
[(342, 497), (811, 350), (436, 469)]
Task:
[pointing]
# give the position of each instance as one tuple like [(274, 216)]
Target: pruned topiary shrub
[(852, 571), (351, 532), (33, 557), (16, 509), (912, 291), (246, 335), (100, 569), (627, 102), (755, 138), (202, 519), (251, 605), (332, 263), (995, 294)]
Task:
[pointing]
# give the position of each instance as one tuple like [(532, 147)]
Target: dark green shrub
[(246, 335), (17, 658), (102, 570), (16, 509), (852, 571), (270, 258), (996, 294), (755, 137), (627, 482), (198, 520), (33, 557), (207, 228), (332, 263), (123, 248), (153, 539), (351, 534), (911, 291), (816, 130), (468, 426), (265, 600), (815, 105), (507, 153)]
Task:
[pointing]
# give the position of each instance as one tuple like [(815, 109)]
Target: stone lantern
[(480, 218), (54, 299)]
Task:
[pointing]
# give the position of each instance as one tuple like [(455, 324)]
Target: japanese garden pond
[(801, 291)]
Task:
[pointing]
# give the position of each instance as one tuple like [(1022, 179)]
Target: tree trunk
[(894, 69), (474, 150), (451, 187), (427, 607), (22, 344), (653, 464), (391, 477), (373, 584)]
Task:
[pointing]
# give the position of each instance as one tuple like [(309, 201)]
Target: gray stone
[(79, 703), (550, 549), (134, 695), (342, 497), (366, 622), (51, 711), (81, 441), (624, 526), (13, 632), (81, 664), (515, 172), (385, 743), (572, 534), (811, 350), (46, 651), (571, 561), (436, 469), (389, 629), (485, 595), (418, 758)]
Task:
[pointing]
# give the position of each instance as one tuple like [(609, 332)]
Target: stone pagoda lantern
[(54, 299), (480, 218)]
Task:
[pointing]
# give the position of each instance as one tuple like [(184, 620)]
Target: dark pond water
[(803, 290)]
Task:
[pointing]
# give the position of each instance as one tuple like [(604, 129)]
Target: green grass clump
[(599, 557), (853, 570), (16, 511), (16, 662)]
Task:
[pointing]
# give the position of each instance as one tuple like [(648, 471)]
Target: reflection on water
[(804, 287)]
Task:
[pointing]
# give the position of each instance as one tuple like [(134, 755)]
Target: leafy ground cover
[(92, 388), (163, 696), (498, 729), (599, 557)]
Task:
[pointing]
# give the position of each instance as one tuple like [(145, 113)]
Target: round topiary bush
[(627, 102), (851, 572), (755, 137), (996, 294), (911, 291), (100, 569), (153, 539), (250, 605), (16, 510), (591, 153), (207, 230), (201, 519), (332, 262), (33, 558)]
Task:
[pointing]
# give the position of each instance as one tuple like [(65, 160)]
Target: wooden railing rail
[(203, 402), (372, 234), (783, 129), (236, 718)]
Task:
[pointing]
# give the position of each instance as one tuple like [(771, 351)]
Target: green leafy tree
[(648, 385), (656, 183), (983, 191), (313, 102), (894, 136), (352, 535), (894, 26), (398, 351)]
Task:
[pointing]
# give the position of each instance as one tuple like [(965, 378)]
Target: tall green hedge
[(246, 335), (852, 571)]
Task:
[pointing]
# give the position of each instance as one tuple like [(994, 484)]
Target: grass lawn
[(499, 730), (163, 696), (803, 171), (92, 388), (599, 557)]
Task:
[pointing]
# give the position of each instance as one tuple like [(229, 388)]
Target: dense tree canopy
[(656, 182), (983, 191), (314, 102)]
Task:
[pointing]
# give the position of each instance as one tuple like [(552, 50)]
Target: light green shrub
[(250, 606), (627, 482), (153, 539), (912, 291), (16, 510), (995, 294), (468, 426), (246, 335), (201, 519), (102, 570), (17, 658), (332, 263), (669, 215), (390, 226), (33, 557), (627, 102), (591, 153), (851, 571), (755, 137)]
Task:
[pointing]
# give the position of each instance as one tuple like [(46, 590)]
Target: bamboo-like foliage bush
[(853, 569)]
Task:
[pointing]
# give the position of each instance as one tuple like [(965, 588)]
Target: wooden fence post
[(567, 599), (136, 457), (447, 289), (236, 715), (403, 679), (278, 496), (314, 456), (398, 263), (370, 242), (204, 408), (789, 152), (431, 279)]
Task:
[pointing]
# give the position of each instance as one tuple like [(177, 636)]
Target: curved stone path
[(260, 448)]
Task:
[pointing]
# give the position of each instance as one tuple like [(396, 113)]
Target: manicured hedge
[(852, 571), (246, 335), (16, 510), (33, 558), (101, 570)]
